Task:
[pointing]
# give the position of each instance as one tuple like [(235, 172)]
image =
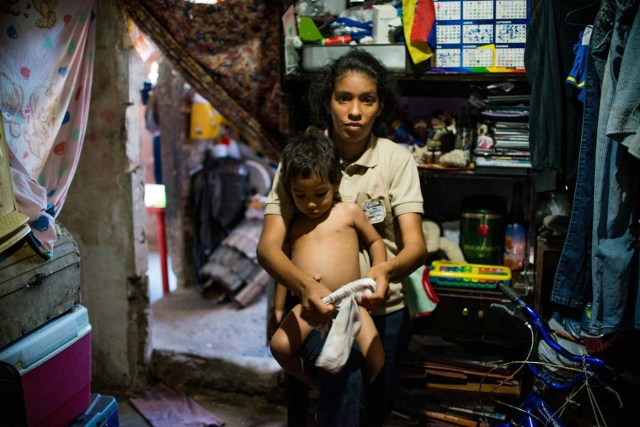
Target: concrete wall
[(105, 212)]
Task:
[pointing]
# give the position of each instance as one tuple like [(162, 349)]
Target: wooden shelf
[(479, 174), (433, 84)]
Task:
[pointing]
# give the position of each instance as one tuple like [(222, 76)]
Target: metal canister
[(482, 236)]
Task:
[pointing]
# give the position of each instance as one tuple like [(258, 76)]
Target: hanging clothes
[(578, 75), (624, 118), (615, 185), (596, 262), (555, 115)]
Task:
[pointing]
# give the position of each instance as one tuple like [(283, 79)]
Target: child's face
[(312, 196)]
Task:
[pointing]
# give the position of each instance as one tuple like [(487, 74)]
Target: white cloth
[(344, 327)]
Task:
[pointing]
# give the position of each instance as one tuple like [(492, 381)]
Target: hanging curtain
[(229, 53), (46, 65)]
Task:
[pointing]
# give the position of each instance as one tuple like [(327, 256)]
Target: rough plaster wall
[(105, 212)]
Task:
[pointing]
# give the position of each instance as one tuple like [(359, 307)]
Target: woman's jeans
[(346, 399)]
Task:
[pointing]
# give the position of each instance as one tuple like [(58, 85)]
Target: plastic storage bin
[(393, 56), (102, 412), (45, 376)]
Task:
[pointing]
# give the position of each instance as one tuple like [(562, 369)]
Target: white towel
[(344, 327)]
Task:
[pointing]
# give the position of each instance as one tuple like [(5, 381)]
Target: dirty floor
[(216, 354)]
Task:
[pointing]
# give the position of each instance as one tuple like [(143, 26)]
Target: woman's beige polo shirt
[(385, 175)]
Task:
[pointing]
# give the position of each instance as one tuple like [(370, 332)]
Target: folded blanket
[(341, 332)]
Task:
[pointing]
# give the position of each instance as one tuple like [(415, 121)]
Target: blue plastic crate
[(102, 412)]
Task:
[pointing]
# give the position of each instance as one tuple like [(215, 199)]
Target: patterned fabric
[(46, 66), (229, 53)]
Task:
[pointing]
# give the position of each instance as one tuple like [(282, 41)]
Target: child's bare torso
[(327, 248)]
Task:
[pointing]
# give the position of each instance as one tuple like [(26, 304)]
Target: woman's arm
[(273, 259), (376, 248), (412, 255), (368, 235)]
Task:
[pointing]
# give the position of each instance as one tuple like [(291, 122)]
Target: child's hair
[(355, 59), (313, 154)]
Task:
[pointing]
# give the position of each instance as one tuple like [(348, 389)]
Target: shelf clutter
[(469, 37), (466, 39), (506, 143), (457, 382)]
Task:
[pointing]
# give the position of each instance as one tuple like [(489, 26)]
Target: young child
[(323, 241)]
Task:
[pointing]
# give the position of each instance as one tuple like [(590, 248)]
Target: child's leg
[(370, 344), (287, 342)]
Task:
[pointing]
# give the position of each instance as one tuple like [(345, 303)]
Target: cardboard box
[(383, 15), (45, 377)]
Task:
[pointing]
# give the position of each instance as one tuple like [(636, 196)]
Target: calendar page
[(480, 36)]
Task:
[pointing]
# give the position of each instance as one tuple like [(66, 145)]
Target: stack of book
[(508, 117)]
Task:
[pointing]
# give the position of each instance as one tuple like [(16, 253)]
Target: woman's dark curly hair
[(354, 59), (311, 155)]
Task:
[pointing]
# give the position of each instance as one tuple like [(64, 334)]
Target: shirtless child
[(323, 242)]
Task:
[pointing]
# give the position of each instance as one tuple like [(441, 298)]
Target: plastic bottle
[(515, 234)]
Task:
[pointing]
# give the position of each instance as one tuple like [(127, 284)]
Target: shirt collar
[(368, 158)]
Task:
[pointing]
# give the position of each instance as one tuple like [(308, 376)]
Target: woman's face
[(354, 107)]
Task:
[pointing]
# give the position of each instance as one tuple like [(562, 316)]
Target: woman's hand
[(379, 273), (314, 310)]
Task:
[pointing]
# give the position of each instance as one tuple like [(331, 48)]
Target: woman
[(356, 93)]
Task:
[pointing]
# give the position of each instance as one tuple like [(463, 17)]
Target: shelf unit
[(443, 191), (462, 314)]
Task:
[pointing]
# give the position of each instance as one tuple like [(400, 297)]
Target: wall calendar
[(480, 36)]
